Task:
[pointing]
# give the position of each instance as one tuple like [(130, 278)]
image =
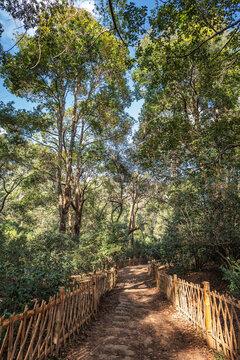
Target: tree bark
[(78, 208), (70, 221), (65, 191)]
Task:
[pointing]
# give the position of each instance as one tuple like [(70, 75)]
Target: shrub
[(39, 279), (233, 276)]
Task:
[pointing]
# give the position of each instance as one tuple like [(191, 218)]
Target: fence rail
[(40, 332), (217, 315)]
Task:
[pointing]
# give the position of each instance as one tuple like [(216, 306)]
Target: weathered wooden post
[(95, 293), (207, 309), (175, 285), (115, 275), (156, 277), (149, 268), (20, 355), (153, 271), (109, 280), (59, 317), (104, 282)]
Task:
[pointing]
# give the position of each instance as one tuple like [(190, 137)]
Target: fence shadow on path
[(135, 323)]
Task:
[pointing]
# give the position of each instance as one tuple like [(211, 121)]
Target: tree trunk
[(65, 191), (131, 222), (63, 221), (70, 221), (78, 209), (64, 209), (78, 220)]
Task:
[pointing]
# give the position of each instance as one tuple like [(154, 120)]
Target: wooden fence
[(217, 315), (40, 332)]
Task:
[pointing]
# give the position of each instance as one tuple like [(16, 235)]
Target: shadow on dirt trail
[(135, 323)]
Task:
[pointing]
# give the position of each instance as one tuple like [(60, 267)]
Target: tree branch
[(230, 146), (206, 40), (114, 21), (136, 228), (227, 42), (20, 39), (40, 52)]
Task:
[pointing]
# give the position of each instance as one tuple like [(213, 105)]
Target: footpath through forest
[(135, 323)]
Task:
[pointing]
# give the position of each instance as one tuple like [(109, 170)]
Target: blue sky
[(11, 27)]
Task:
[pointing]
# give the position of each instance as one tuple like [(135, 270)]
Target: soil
[(211, 273), (134, 323)]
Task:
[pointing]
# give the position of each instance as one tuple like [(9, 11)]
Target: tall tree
[(76, 70), (189, 132)]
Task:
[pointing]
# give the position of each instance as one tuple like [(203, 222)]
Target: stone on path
[(134, 323)]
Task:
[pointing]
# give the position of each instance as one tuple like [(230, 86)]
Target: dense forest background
[(79, 185)]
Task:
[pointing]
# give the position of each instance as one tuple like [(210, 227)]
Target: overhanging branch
[(114, 21), (206, 40)]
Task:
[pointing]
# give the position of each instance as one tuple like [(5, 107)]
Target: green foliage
[(188, 131), (172, 194), (38, 279), (34, 266), (100, 246), (148, 250), (233, 276), (30, 269), (201, 228), (129, 19), (29, 13)]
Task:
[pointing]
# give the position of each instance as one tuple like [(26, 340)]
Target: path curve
[(134, 323)]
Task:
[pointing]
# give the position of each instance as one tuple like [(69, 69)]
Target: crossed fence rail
[(41, 331), (217, 315)]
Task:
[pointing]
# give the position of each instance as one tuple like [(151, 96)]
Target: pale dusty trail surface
[(135, 323)]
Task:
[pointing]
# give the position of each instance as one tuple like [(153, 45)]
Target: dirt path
[(134, 323)]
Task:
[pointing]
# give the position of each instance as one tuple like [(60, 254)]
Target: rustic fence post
[(105, 282), (109, 280), (59, 317), (160, 283), (153, 269), (176, 299), (157, 277), (20, 354), (149, 268), (207, 309), (95, 293), (115, 275)]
